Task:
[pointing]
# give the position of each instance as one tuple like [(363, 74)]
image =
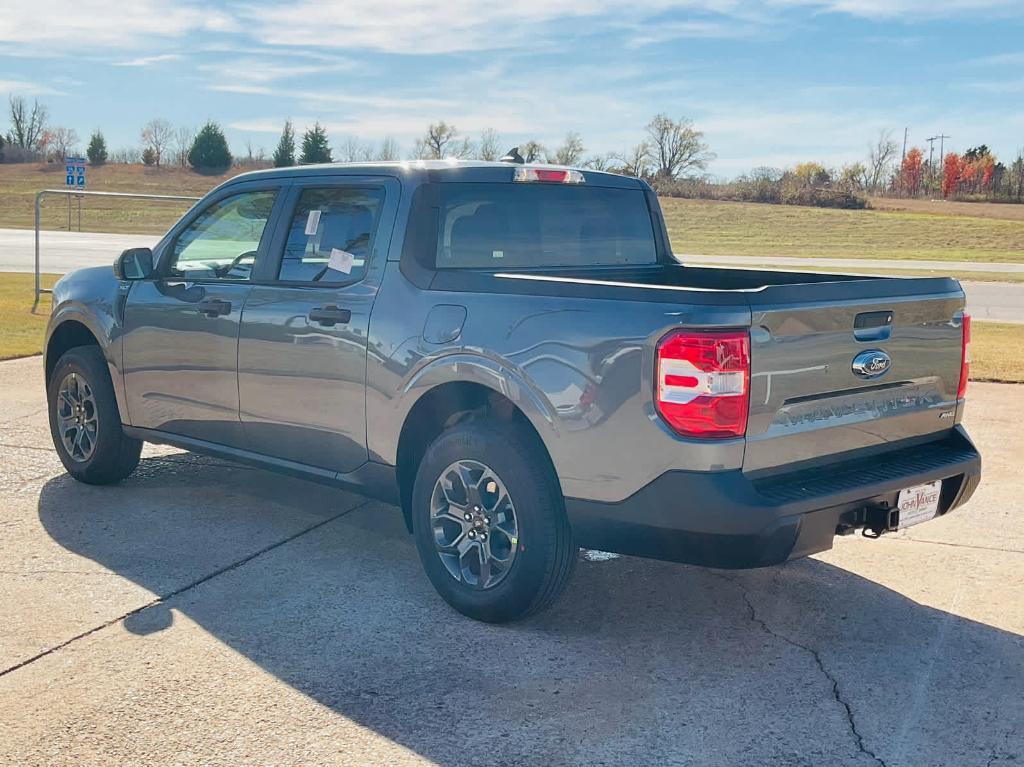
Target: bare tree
[(675, 148), (881, 155), (489, 147), (354, 150), (634, 162), (157, 135), (601, 162), (388, 149), (533, 151), (63, 140), (184, 137), (571, 151), (126, 155), (28, 126), (442, 140)]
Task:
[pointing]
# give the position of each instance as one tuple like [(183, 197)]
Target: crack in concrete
[(177, 592), (836, 692), (959, 545), (33, 414)]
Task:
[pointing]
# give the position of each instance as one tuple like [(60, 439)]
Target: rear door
[(302, 348), (842, 366), (181, 328)]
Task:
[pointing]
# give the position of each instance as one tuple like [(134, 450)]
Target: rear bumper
[(727, 519)]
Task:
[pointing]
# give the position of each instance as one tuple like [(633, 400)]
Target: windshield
[(486, 226)]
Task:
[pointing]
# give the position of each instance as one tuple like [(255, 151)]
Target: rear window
[(538, 225)]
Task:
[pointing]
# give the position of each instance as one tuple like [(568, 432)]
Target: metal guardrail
[(70, 193)]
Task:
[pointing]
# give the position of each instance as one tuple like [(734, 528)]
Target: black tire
[(112, 455), (545, 554)]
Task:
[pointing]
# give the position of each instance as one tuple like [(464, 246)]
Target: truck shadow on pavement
[(641, 662)]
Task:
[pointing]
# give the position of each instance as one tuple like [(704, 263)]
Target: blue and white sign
[(74, 168)]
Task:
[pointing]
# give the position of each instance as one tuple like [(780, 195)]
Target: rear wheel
[(84, 420), (489, 522)]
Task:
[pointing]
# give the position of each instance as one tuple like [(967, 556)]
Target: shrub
[(315, 147), (209, 152), (97, 151)]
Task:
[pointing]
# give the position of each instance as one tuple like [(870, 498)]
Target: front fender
[(94, 299)]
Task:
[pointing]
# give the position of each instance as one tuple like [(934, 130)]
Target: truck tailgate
[(813, 393)]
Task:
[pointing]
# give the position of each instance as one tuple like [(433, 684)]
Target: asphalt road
[(206, 613), (64, 251)]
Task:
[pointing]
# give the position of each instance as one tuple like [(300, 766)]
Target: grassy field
[(751, 229), (997, 352), (19, 184), (1000, 210), (997, 349), (21, 331)]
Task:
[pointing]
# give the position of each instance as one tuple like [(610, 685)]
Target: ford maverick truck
[(512, 354)]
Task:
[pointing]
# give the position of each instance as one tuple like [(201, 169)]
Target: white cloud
[(911, 10), (996, 86), (92, 24), (26, 88), (145, 61)]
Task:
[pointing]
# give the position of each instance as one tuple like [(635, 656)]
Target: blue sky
[(770, 83)]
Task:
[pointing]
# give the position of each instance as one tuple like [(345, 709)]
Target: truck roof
[(434, 170)]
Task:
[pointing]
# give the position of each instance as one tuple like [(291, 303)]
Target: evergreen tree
[(209, 152), (314, 145), (284, 155), (97, 151)]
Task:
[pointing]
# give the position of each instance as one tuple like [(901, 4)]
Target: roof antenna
[(513, 156)]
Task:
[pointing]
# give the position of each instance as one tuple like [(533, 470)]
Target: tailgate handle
[(872, 326)]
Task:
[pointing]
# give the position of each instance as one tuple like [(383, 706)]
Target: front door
[(181, 329), (302, 346)]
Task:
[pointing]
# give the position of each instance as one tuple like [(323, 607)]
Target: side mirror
[(134, 264)]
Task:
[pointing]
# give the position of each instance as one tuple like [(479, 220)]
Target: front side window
[(222, 242), (331, 234), (489, 226)]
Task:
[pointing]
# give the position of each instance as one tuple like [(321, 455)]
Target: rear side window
[(331, 234), (541, 225)]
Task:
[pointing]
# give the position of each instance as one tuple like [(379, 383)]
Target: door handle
[(214, 307), (329, 316)]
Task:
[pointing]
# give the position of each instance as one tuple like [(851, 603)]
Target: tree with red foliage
[(952, 167), (911, 172)]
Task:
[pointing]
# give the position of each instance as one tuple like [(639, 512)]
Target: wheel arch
[(450, 402), (68, 334)]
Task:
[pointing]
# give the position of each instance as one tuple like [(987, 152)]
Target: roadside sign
[(74, 168)]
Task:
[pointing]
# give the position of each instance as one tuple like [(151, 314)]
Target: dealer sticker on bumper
[(919, 503)]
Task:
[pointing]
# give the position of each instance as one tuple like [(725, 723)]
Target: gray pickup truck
[(512, 354)]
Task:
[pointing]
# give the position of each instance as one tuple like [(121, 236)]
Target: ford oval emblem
[(871, 364)]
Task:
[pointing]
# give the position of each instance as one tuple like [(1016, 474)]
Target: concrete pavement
[(206, 613), (62, 252)]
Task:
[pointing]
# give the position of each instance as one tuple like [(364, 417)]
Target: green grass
[(997, 352), (997, 349), (21, 331), (751, 229)]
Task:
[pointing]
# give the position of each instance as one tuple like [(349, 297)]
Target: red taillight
[(703, 382), (965, 358), (548, 175)]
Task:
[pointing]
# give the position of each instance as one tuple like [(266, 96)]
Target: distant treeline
[(671, 155)]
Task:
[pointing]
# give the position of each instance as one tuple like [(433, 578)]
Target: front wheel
[(490, 523), (84, 420)]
